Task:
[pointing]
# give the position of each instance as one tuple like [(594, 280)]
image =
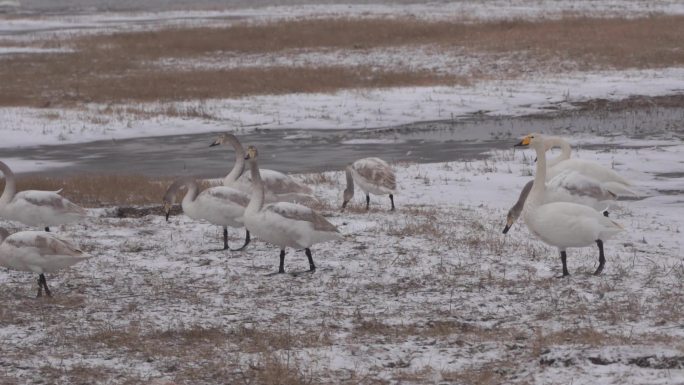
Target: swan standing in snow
[(278, 187), (574, 180), (38, 252), (220, 205), (284, 224), (34, 207), (563, 224), (373, 175), (570, 186)]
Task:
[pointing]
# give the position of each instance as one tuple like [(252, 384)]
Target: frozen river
[(291, 150)]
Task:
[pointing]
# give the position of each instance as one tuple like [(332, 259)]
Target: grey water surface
[(292, 150)]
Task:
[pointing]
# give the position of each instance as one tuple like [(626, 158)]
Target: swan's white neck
[(349, 191), (565, 150), (191, 195), (239, 166), (256, 200), (10, 184), (536, 197)]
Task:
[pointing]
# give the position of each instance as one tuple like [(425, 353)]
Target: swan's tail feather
[(619, 189)]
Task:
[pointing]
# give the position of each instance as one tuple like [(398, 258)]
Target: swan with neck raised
[(373, 176), (562, 163), (36, 208), (220, 205), (278, 187), (38, 252), (284, 224), (563, 224)]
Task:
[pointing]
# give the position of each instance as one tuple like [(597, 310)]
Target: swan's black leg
[(392, 200), (564, 258), (281, 269), (225, 238), (47, 228), (367, 201), (602, 258), (312, 267), (43, 282), (247, 239), (40, 286)]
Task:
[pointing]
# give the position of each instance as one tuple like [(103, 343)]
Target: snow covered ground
[(529, 93), (345, 109), (431, 293)]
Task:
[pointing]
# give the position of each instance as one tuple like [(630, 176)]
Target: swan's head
[(3, 234), (347, 195), (251, 153), (510, 219), (225, 138), (170, 198), (532, 140), (167, 208)]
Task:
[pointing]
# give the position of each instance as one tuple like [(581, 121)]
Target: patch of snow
[(355, 109)]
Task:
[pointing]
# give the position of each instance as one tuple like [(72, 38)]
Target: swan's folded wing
[(278, 183), (44, 243), (377, 172), (222, 195), (301, 213), (580, 185), (51, 200)]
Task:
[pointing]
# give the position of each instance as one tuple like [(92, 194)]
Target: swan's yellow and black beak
[(524, 142), (508, 227), (344, 205), (215, 143)]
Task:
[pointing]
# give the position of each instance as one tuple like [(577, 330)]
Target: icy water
[(92, 6), (318, 150)]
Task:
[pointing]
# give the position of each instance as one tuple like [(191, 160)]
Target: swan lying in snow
[(284, 224), (373, 175), (34, 207), (278, 187), (38, 252), (563, 224), (220, 205)]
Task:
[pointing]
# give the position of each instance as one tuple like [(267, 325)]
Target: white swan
[(609, 179), (569, 186), (563, 224), (284, 224), (34, 207), (278, 187), (38, 252), (220, 205), (373, 175), (574, 180)]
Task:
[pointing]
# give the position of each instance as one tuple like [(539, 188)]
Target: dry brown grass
[(102, 190), (117, 67)]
